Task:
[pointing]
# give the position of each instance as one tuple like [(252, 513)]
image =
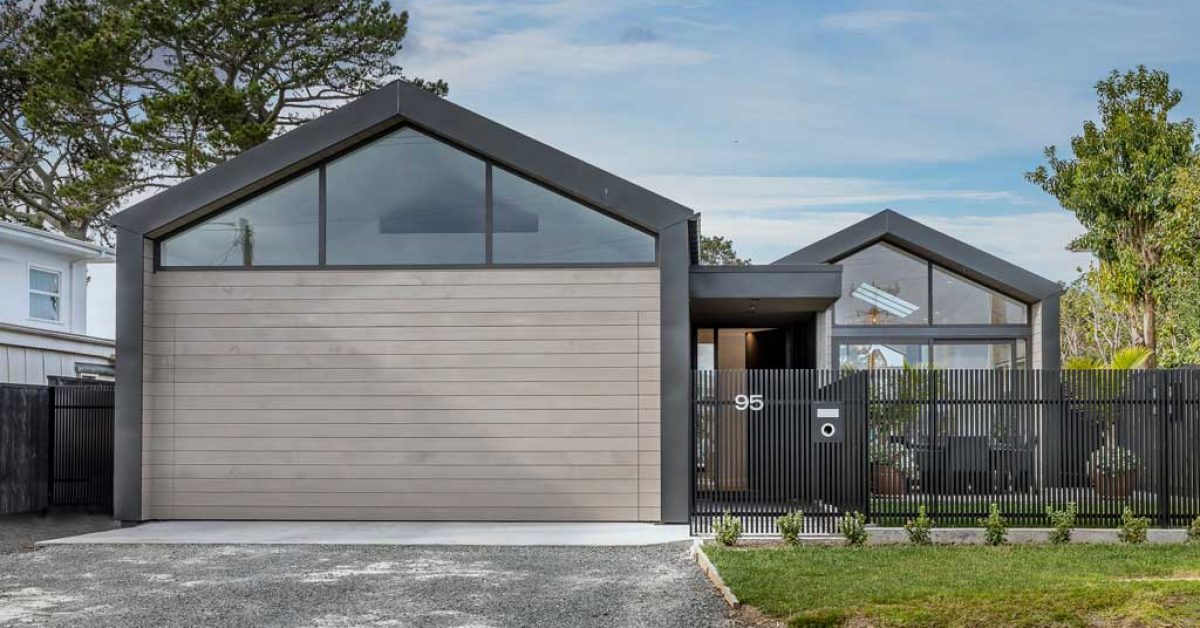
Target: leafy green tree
[(1118, 184), (1091, 326), (719, 251), (1181, 322), (111, 97), (65, 166)]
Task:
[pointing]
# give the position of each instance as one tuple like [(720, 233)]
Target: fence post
[(865, 397), (935, 473), (1164, 453)]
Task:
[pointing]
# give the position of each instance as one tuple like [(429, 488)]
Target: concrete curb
[(974, 536), (714, 576)]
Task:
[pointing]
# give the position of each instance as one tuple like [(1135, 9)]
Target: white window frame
[(31, 291)]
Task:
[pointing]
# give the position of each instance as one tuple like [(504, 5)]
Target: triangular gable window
[(408, 199)]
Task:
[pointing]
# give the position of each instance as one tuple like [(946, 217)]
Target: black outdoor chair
[(968, 464), (1013, 465)]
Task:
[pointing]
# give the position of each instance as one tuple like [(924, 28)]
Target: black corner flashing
[(127, 423)]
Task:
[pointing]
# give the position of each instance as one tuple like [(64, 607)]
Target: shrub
[(790, 526), (853, 527), (728, 529), (1133, 529), (1063, 522), (995, 528), (919, 529), (1193, 531)]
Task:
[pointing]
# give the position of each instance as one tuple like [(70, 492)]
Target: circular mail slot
[(828, 430)]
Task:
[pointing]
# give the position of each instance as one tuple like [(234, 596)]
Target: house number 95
[(748, 402)]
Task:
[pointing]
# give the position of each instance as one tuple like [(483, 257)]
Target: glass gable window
[(276, 228), (960, 301), (45, 287), (533, 225), (881, 355), (405, 199), (882, 285)]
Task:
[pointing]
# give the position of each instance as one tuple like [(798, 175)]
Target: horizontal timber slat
[(424, 430), (406, 417), (384, 306), (507, 360), (481, 291), (310, 334), (510, 374), (368, 485), (399, 472)]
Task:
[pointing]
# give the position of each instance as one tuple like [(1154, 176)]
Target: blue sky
[(785, 121)]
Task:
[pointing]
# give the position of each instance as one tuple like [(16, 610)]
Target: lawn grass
[(1075, 585)]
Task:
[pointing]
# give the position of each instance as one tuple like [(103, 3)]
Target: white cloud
[(468, 43), (872, 20), (747, 193)]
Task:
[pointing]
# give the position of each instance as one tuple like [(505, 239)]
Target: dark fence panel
[(24, 448), (756, 454), (83, 447), (951, 441)]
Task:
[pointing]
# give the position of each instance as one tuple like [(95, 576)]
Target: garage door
[(450, 394)]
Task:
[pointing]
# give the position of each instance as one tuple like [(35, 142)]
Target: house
[(403, 310), (43, 323)]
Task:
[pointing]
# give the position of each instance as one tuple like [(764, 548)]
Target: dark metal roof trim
[(950, 253), (766, 282), (392, 105)]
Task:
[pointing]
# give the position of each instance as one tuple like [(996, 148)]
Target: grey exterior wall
[(499, 394)]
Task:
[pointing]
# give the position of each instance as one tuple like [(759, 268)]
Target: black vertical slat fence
[(56, 447), (83, 447), (951, 441)]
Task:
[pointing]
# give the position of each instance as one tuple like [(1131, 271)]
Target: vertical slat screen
[(953, 441)]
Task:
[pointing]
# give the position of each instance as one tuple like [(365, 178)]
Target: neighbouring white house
[(43, 315)]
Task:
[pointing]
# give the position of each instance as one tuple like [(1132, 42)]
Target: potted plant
[(899, 396), (892, 466), (1113, 470)]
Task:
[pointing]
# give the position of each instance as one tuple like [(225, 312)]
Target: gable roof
[(391, 106), (956, 255)]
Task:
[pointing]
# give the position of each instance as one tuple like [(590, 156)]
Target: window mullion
[(321, 216), (487, 215)]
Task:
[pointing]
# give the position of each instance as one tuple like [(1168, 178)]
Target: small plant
[(995, 528), (790, 526), (727, 530), (1193, 531), (919, 529), (853, 527), (896, 456), (1133, 529), (1063, 522), (1113, 460)]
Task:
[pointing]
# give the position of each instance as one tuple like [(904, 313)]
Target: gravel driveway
[(18, 533), (340, 586)]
